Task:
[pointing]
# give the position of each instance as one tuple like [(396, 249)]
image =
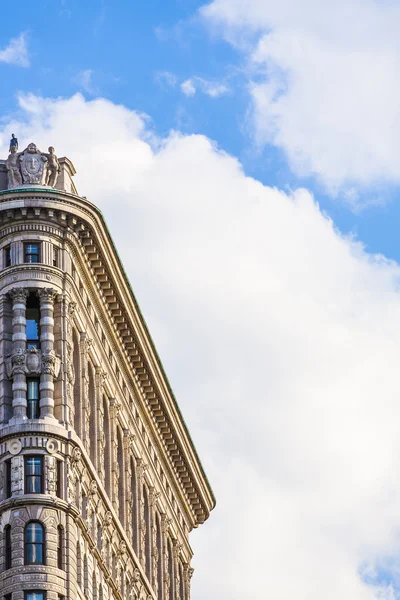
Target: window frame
[(41, 544), (40, 475), (7, 256), (33, 402), (43, 592), (30, 254), (8, 471), (7, 548)]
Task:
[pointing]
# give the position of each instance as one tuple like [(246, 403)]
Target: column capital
[(47, 294), (19, 295)]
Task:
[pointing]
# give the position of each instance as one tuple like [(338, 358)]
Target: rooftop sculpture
[(31, 167)]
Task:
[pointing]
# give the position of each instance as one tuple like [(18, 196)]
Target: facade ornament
[(122, 548), (76, 454), (136, 575), (51, 364), (33, 165), (47, 294), (108, 518), (93, 488)]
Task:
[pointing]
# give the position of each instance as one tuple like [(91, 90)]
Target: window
[(32, 322), (33, 475), (33, 398), (35, 595), (7, 256), (8, 597), (8, 477), (60, 546), (34, 543), (7, 546), (55, 256), (32, 252), (59, 484)]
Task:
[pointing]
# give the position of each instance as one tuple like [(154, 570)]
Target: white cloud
[(166, 79), (281, 340), (326, 83), (188, 88), (214, 89), (16, 53), (84, 79)]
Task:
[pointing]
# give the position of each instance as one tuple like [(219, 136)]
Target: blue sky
[(246, 156), (121, 51)]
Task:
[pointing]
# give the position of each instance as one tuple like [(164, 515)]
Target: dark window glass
[(59, 487), (60, 544), (7, 256), (33, 475), (32, 396), (35, 595), (34, 544), (8, 478), (55, 256), (8, 597), (32, 322), (7, 546), (32, 252)]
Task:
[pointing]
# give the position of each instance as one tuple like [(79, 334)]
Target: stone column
[(19, 403), (49, 359)]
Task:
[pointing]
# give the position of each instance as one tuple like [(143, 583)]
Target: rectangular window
[(32, 322), (59, 485), (7, 256), (33, 398), (33, 475), (8, 477), (32, 252), (55, 256), (35, 595)]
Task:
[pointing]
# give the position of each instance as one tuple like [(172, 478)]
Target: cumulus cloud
[(214, 89), (16, 53), (325, 83), (281, 339)]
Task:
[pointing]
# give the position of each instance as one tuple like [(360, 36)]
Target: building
[(100, 484)]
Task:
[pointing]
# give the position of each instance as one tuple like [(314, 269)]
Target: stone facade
[(100, 484)]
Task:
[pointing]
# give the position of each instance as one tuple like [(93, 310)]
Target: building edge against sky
[(100, 483)]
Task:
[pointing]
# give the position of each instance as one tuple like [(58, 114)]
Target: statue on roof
[(13, 166), (13, 143), (53, 168)]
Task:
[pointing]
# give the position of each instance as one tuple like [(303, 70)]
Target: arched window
[(7, 547), (60, 547), (121, 478), (34, 544)]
